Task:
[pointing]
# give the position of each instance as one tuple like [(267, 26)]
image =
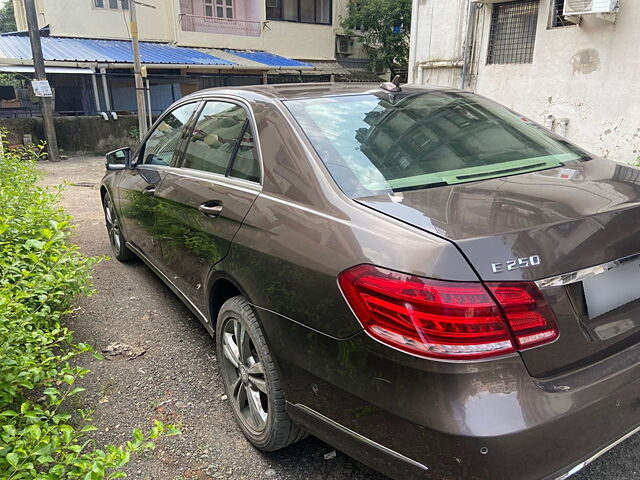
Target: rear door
[(203, 202), (136, 190)]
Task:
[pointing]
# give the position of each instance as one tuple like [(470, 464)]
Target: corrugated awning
[(258, 59), (63, 49), (346, 73), (28, 69), (322, 67), (268, 59), (104, 51)]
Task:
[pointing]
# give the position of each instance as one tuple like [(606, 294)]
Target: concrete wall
[(76, 135), (586, 74), (437, 36)]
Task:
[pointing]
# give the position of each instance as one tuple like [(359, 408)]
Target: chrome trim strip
[(580, 275), (216, 178), (359, 437), (597, 455)]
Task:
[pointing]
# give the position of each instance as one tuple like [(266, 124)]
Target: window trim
[(256, 139), (298, 11)]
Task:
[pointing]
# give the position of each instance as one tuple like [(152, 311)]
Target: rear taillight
[(530, 318), (441, 319)]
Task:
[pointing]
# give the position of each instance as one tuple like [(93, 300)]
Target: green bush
[(41, 437)]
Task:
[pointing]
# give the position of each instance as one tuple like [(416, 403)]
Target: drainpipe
[(549, 119), (468, 43), (563, 123), (413, 44), (105, 89), (96, 94)]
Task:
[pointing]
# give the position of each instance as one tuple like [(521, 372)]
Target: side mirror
[(119, 159)]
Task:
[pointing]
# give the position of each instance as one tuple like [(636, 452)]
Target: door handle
[(210, 210), (149, 191)]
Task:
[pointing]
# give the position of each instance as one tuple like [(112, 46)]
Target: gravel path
[(174, 377)]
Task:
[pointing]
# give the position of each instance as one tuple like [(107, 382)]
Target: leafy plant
[(7, 18), (41, 436), (384, 27), (27, 152), (134, 133)]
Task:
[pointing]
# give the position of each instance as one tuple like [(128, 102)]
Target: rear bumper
[(396, 465), (578, 467), (416, 419)]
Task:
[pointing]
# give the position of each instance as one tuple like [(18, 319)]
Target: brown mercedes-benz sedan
[(427, 281)]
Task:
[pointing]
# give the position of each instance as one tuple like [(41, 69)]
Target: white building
[(577, 74)]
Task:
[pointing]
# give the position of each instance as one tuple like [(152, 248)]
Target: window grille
[(513, 32), (114, 4)]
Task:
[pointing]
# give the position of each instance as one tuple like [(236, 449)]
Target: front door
[(138, 186), (203, 203)]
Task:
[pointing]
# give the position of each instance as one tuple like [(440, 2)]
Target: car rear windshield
[(377, 143)]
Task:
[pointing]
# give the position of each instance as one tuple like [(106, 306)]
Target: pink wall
[(244, 9)]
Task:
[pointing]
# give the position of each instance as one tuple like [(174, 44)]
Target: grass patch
[(41, 436)]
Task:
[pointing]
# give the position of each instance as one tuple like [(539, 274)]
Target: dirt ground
[(174, 378)]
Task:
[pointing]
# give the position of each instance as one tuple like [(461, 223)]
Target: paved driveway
[(174, 377)]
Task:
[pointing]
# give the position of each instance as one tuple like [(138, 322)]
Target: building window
[(113, 4), (218, 8), (306, 11), (513, 32), (557, 15)]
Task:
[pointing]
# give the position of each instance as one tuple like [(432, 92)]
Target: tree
[(7, 18), (384, 26)]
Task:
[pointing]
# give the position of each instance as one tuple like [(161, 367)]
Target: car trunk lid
[(537, 226)]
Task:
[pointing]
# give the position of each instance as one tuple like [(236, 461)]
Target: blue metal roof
[(107, 51), (267, 58)]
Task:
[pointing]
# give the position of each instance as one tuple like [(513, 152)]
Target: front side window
[(163, 141), (374, 144), (512, 35), (306, 11), (222, 142)]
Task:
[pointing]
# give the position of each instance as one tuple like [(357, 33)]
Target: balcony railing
[(227, 26)]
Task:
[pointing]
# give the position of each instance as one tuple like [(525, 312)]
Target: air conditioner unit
[(585, 7), (344, 45)]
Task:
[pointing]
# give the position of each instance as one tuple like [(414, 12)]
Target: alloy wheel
[(244, 375), (113, 226)]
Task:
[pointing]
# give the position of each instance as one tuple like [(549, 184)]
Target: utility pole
[(137, 70), (38, 64)]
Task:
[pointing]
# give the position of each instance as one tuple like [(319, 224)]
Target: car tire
[(251, 380), (116, 237)]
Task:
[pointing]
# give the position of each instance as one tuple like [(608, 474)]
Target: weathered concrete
[(77, 135), (582, 77)]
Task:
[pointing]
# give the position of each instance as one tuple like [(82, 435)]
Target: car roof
[(292, 91)]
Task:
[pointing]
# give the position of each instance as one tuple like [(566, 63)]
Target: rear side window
[(379, 143), (222, 134), (163, 141), (245, 164)]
